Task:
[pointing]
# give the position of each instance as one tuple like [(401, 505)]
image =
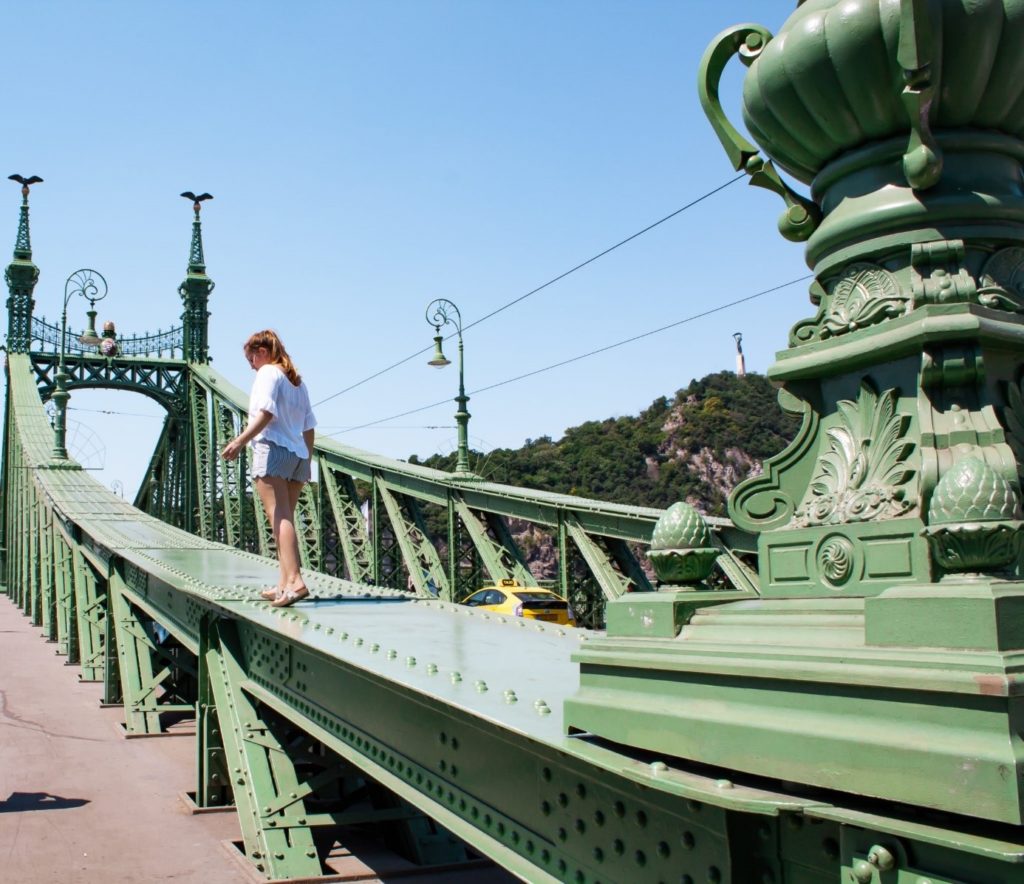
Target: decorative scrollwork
[(835, 560), (939, 275), (864, 295), (978, 547), (1002, 280), (860, 477), (801, 216), (768, 501), (1013, 418)]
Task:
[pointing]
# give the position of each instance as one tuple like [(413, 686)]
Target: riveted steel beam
[(260, 769), (494, 544), (213, 781), (353, 539), (307, 528), (615, 574), (232, 484), (90, 616), (64, 592), (162, 380), (152, 667), (202, 491), (47, 590), (425, 571)]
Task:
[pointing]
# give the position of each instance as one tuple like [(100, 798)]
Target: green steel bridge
[(840, 702)]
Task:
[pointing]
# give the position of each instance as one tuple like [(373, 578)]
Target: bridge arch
[(164, 381)]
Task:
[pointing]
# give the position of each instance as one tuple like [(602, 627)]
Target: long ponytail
[(276, 353)]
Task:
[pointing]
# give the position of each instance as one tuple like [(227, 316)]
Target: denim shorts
[(275, 461)]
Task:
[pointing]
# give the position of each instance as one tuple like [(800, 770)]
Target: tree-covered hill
[(695, 447)]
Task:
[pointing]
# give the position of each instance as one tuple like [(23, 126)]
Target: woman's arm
[(307, 437), (232, 449)]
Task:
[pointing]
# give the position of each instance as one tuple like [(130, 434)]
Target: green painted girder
[(616, 572), (180, 484), (421, 558), (232, 483), (47, 583), (464, 560), (493, 543), (145, 668), (307, 527), (203, 493), (34, 602), (609, 527), (162, 380), (5, 485), (67, 632), (348, 519), (258, 767), (151, 495), (213, 781), (261, 760), (434, 693), (90, 616)]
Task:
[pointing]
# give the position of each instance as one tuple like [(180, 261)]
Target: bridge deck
[(80, 802), (447, 712)]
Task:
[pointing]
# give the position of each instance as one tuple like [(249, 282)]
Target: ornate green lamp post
[(91, 285), (890, 530), (440, 313)]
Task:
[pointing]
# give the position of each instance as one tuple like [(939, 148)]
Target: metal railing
[(169, 343)]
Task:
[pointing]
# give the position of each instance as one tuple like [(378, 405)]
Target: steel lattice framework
[(849, 712), (100, 577)]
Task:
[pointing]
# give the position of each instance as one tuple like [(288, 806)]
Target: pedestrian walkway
[(80, 802)]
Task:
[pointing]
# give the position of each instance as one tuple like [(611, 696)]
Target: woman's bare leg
[(268, 498), (293, 490), (276, 496)]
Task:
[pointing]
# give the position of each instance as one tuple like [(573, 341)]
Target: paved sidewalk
[(79, 802)]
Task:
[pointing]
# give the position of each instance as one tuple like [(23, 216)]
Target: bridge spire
[(21, 276), (195, 290)]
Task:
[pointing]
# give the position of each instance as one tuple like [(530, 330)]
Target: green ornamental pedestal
[(883, 655)]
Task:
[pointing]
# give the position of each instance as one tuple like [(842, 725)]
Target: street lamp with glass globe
[(443, 312), (91, 285)]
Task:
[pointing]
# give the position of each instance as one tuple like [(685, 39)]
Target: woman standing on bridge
[(280, 430)]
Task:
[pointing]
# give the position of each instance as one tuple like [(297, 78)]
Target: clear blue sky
[(367, 157)]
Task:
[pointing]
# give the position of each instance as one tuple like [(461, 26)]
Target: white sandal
[(290, 597)]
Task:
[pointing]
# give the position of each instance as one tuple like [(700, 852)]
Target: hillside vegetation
[(695, 447)]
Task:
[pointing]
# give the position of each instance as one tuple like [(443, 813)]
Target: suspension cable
[(540, 288), (588, 354)]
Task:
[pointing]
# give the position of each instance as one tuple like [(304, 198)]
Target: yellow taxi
[(531, 602)]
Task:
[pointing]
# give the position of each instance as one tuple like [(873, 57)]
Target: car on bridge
[(530, 602)]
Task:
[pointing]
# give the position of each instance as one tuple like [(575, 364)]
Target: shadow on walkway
[(19, 802)]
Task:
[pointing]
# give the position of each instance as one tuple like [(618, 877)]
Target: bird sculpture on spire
[(197, 200), (28, 182)]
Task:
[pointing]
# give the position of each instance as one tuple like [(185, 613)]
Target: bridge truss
[(378, 706), (851, 712), (425, 705)]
